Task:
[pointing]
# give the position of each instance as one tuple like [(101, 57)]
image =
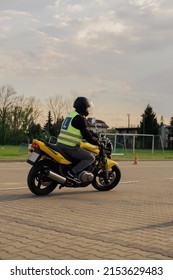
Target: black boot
[(72, 175)]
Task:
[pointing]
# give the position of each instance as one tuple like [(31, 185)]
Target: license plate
[(33, 157)]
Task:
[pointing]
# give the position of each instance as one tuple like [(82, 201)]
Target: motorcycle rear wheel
[(38, 183), (100, 184)]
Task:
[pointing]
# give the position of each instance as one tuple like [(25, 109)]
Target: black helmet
[(82, 104)]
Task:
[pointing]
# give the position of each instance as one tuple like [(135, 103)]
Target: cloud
[(94, 29), (117, 52), (152, 5)]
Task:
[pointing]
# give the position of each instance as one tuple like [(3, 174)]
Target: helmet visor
[(90, 109)]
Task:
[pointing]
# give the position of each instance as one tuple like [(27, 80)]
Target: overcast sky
[(119, 53)]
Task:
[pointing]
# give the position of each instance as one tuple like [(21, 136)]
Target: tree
[(59, 106), (49, 125), (57, 126), (17, 115), (23, 113), (7, 99), (34, 131), (148, 125), (171, 121)]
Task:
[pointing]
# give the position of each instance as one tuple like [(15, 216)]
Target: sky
[(117, 53)]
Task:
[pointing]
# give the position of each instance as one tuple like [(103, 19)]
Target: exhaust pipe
[(55, 176)]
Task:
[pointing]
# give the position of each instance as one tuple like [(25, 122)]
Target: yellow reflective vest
[(68, 134)]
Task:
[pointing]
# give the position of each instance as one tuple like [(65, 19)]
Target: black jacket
[(79, 122)]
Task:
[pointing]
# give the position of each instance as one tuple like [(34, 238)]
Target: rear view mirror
[(93, 120)]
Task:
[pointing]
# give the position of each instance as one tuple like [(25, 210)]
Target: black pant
[(77, 153)]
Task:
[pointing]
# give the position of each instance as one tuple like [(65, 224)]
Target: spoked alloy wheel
[(100, 183), (38, 182)]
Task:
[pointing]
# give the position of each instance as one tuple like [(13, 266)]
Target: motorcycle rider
[(73, 130)]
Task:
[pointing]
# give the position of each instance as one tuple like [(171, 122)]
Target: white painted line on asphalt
[(7, 189), (20, 188), (129, 182), (10, 183)]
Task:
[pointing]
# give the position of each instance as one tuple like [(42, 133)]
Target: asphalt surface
[(132, 222)]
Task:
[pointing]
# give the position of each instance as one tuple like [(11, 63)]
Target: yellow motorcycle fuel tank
[(89, 147)]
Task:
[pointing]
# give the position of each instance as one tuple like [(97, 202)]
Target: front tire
[(100, 184), (37, 181)]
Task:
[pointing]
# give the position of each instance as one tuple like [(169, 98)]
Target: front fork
[(104, 167)]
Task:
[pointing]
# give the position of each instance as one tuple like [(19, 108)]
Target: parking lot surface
[(134, 221)]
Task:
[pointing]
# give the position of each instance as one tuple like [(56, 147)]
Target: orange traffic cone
[(135, 159)]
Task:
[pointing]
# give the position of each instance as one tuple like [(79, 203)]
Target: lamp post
[(143, 129), (128, 115)]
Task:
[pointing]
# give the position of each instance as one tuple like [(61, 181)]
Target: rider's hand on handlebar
[(101, 145), (94, 134)]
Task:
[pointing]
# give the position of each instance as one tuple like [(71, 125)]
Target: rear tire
[(114, 178), (38, 183)]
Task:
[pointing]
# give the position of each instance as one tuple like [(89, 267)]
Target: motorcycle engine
[(85, 177)]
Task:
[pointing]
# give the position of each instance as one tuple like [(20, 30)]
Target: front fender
[(111, 163)]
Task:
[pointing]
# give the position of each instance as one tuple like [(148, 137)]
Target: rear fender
[(53, 154)]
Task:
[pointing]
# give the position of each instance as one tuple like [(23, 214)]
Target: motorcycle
[(49, 168)]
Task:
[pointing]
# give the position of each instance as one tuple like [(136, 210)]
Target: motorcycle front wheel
[(38, 182), (101, 183)]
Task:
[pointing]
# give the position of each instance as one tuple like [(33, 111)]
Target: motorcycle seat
[(58, 149)]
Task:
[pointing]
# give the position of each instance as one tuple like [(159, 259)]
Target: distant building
[(130, 130), (166, 133), (100, 126)]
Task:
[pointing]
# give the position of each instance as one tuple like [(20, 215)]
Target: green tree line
[(19, 117)]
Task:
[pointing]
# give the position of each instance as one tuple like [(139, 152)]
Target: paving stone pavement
[(132, 222)]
